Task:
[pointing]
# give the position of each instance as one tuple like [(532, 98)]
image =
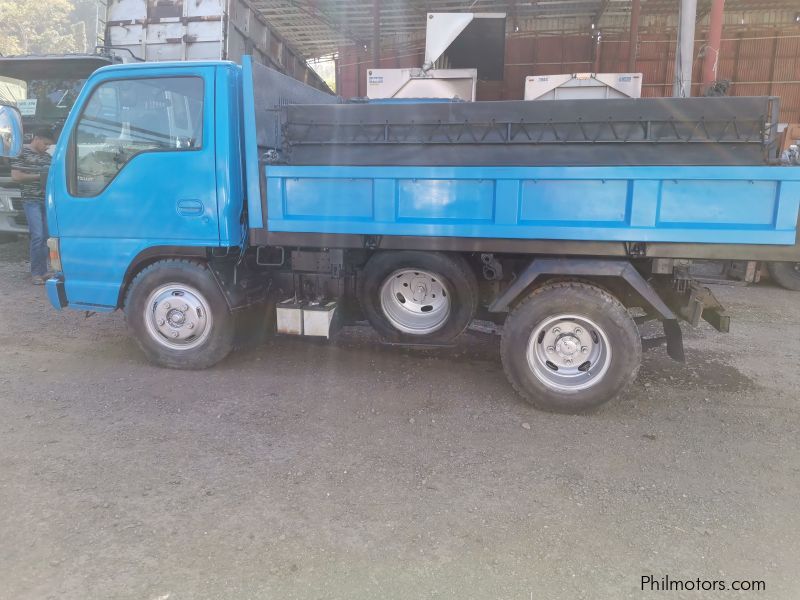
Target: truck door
[(140, 172)]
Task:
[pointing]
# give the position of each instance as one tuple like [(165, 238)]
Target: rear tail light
[(55, 254)]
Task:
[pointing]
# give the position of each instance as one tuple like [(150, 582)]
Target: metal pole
[(596, 64), (376, 34), (633, 40), (711, 58), (684, 52)]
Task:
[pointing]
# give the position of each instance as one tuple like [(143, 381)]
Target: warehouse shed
[(752, 44)]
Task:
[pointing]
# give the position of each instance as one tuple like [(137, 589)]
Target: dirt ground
[(354, 470)]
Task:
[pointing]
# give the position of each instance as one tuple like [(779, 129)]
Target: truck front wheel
[(418, 297), (569, 347), (178, 315)]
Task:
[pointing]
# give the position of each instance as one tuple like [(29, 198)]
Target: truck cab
[(149, 163)]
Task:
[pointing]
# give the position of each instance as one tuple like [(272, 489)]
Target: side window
[(127, 117)]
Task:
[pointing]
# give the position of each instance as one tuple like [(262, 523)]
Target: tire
[(552, 335), (202, 324), (418, 297), (785, 274)]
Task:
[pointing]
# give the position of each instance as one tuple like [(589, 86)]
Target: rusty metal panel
[(787, 65), (746, 58), (790, 101)]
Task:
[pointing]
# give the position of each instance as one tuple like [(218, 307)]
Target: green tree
[(39, 27)]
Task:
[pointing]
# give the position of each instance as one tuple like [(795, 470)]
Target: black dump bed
[(308, 127), (653, 131)]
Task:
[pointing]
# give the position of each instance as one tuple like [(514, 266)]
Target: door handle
[(190, 208)]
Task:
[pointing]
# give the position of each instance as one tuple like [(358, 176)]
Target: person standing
[(29, 169)]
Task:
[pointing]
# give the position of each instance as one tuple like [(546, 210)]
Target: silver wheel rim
[(568, 353), (177, 316), (414, 301)]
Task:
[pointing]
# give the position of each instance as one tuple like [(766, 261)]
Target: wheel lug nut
[(190, 325), (161, 321), (584, 349), (578, 331), (185, 307), (551, 349), (175, 334), (167, 305), (556, 330)]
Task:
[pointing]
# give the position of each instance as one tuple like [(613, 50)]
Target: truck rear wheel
[(785, 274), (569, 347), (178, 315), (418, 297)]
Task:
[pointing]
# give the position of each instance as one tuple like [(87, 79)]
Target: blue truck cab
[(151, 157), (190, 194)]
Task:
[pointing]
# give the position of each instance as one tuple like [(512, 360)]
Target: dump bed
[(664, 171), (612, 132)]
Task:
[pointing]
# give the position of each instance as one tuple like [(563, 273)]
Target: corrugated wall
[(758, 63)]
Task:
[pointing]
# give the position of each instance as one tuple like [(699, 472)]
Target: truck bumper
[(56, 293)]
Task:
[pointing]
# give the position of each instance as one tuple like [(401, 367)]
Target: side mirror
[(10, 131)]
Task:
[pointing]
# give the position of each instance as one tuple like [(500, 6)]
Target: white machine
[(435, 79), (417, 83), (583, 85)]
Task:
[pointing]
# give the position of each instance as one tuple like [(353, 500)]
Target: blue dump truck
[(190, 194)]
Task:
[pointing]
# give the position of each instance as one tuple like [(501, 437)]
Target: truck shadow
[(698, 373), (470, 346)]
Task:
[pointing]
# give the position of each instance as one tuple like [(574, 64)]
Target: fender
[(587, 267), (151, 255), (239, 288)]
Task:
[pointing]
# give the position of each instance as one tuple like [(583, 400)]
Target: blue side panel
[(438, 200), (254, 216), (229, 156), (321, 198), (94, 283), (562, 202), (701, 203), (739, 205)]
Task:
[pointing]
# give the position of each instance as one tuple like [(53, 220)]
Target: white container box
[(289, 317), (318, 320), (577, 86)]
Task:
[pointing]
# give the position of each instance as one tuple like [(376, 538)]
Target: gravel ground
[(353, 470)]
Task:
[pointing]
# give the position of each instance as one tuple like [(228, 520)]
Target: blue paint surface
[(574, 201), (323, 198), (445, 200), (742, 205), (250, 145)]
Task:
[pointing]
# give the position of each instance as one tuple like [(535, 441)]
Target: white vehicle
[(43, 88)]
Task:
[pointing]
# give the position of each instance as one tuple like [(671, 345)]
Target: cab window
[(124, 118)]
